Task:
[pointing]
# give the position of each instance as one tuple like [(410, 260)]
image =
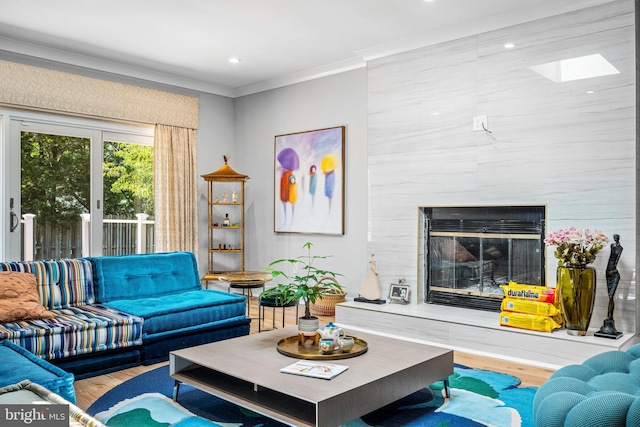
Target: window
[(76, 188), (128, 198)]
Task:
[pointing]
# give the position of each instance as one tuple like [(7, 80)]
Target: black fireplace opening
[(471, 251)]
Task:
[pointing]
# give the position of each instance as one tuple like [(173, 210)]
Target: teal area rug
[(478, 398)]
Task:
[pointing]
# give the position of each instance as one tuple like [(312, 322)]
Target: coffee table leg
[(176, 389), (447, 392)]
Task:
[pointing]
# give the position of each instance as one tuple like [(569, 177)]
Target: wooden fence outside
[(51, 241)]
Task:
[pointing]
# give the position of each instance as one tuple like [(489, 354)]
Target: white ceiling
[(188, 43)]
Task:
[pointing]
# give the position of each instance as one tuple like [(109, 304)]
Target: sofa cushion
[(61, 283), (20, 364), (145, 275), (187, 310), (74, 331), (19, 298)]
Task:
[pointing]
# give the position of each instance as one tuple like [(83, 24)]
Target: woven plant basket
[(327, 305)]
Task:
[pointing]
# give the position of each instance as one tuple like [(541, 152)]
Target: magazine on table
[(314, 368)]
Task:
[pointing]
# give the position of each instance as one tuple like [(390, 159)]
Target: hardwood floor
[(90, 389)]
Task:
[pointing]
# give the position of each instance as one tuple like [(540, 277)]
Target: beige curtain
[(175, 187), (49, 90)]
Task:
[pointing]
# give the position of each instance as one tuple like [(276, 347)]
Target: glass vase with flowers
[(576, 248)]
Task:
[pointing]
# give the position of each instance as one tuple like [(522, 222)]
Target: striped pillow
[(61, 283)]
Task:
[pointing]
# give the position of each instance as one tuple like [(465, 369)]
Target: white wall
[(215, 138), (333, 101)]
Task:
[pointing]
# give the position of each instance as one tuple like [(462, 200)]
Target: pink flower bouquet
[(576, 247)]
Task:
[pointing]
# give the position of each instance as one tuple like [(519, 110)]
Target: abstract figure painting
[(309, 182)]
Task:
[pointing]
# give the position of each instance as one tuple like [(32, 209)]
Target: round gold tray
[(291, 346)]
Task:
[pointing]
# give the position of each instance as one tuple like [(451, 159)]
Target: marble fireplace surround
[(569, 146)]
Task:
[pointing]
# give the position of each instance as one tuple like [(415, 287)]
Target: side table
[(271, 302), (245, 280)]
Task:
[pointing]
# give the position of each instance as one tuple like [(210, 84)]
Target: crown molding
[(303, 76), (358, 60), (63, 57), (361, 57)]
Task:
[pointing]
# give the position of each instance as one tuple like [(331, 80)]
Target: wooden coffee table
[(246, 371)]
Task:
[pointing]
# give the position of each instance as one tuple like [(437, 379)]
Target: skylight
[(584, 67)]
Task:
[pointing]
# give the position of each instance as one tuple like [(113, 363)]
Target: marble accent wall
[(550, 143)]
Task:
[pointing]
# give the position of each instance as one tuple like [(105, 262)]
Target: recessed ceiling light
[(509, 46), (234, 60), (590, 92)]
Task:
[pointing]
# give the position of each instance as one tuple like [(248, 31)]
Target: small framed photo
[(399, 292)]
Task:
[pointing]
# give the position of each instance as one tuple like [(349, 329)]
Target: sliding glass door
[(64, 180)]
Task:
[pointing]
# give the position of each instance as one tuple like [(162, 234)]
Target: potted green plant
[(308, 283)]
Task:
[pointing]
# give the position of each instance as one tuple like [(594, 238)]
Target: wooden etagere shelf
[(225, 197)]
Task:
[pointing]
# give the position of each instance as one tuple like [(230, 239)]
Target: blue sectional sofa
[(115, 312), (21, 362), (165, 291)]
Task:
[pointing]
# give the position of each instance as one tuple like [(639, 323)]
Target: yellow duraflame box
[(530, 307), (528, 321), (529, 292)]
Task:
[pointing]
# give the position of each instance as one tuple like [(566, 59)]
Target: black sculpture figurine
[(608, 329)]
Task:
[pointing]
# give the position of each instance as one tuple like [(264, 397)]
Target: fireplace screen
[(472, 251)]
